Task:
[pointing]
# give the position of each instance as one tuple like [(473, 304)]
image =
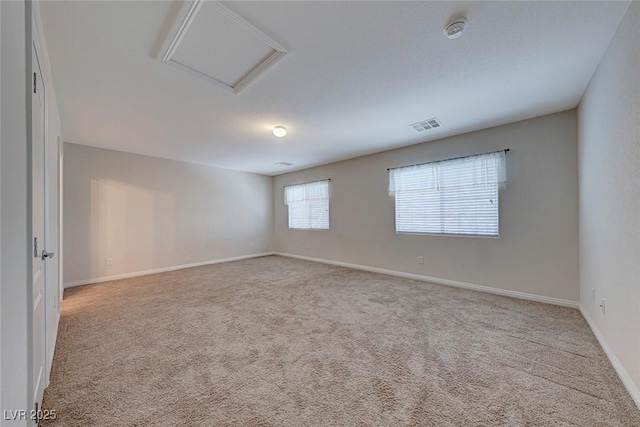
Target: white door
[(39, 232)]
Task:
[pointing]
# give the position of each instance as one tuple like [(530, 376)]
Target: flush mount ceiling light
[(279, 131), (455, 28)]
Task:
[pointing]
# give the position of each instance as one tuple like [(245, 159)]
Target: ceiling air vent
[(426, 125), (284, 164)]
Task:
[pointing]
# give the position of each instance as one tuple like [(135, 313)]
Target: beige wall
[(609, 153), (147, 213), (537, 252)]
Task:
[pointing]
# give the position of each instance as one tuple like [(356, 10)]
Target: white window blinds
[(308, 205), (457, 196)]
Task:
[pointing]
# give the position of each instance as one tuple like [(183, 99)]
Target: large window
[(457, 196), (308, 205)]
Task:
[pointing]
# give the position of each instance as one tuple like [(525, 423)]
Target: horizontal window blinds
[(308, 205), (458, 196)]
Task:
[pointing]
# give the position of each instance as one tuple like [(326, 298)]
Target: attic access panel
[(220, 46)]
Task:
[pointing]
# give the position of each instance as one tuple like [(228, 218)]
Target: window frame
[(328, 206), (500, 185)]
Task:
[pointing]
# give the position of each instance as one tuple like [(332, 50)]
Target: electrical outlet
[(593, 295), (109, 261), (420, 260), (602, 306), (241, 245), (252, 245), (306, 246)]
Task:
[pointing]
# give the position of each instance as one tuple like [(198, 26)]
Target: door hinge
[(35, 80), (35, 247)]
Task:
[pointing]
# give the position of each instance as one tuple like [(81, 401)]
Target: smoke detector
[(455, 28), (286, 164)]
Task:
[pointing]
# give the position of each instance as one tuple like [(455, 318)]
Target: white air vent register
[(426, 124)]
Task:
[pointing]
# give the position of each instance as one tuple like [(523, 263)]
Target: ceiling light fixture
[(455, 28), (279, 131)]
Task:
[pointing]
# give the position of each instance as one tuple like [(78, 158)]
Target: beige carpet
[(280, 342)]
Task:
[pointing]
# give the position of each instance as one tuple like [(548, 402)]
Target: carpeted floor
[(281, 342)]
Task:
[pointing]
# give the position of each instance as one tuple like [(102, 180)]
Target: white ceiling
[(358, 73)]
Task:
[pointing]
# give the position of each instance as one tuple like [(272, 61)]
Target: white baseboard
[(160, 270), (481, 288), (632, 388)]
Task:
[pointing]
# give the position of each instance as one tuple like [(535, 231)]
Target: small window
[(457, 196), (308, 205)]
